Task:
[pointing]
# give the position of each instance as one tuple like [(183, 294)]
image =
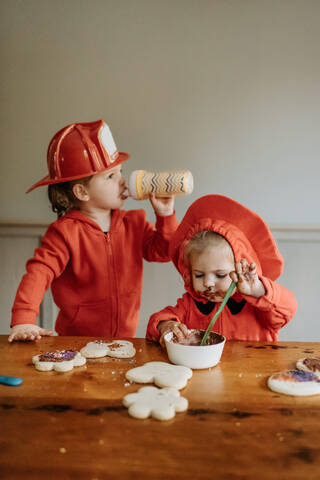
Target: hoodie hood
[(246, 232)]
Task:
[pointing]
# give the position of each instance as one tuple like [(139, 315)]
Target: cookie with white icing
[(309, 365), (295, 382), (159, 403), (117, 349), (161, 373), (59, 360)]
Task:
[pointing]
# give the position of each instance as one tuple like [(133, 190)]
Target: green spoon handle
[(215, 318)]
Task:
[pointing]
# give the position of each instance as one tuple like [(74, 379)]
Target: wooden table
[(73, 425)]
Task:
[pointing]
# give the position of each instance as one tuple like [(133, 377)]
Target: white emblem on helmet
[(108, 143)]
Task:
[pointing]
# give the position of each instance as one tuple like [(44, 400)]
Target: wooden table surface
[(73, 425)]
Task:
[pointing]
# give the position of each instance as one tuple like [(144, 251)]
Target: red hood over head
[(246, 232)]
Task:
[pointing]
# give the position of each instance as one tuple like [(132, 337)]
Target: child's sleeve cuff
[(167, 224), (267, 301), (20, 317)]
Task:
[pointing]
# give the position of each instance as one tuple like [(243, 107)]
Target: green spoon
[(215, 318)]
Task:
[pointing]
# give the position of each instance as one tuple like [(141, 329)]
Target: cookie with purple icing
[(295, 382), (309, 365), (59, 360)]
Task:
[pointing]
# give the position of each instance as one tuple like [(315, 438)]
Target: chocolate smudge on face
[(305, 454)]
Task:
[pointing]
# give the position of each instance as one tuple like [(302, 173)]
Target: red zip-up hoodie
[(244, 317), (96, 278)]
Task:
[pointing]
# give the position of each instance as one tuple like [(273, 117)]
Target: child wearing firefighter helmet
[(92, 255), (217, 241)]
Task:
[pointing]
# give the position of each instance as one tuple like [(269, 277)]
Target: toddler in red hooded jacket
[(92, 256), (220, 240)]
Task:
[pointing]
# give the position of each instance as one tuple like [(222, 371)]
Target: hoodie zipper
[(114, 297)]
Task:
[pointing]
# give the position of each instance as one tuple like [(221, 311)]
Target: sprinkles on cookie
[(59, 360)]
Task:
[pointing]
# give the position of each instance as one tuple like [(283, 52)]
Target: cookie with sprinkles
[(309, 365), (117, 349), (295, 382), (59, 360)]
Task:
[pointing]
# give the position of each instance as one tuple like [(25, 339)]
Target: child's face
[(210, 272), (107, 189)]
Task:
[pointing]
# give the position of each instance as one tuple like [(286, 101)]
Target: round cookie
[(295, 382), (309, 365)]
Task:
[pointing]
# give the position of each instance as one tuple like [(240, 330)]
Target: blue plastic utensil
[(12, 381)]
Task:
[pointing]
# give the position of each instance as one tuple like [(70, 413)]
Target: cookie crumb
[(62, 450)]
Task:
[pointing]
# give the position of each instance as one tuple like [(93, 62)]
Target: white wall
[(228, 89)]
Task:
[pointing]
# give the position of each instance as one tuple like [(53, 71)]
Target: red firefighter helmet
[(80, 150)]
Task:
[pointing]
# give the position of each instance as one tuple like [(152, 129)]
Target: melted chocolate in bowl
[(195, 336), (186, 352)]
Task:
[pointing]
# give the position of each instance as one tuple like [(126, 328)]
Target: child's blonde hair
[(203, 240), (61, 195)]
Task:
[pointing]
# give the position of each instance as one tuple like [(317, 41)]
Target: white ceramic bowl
[(194, 356)]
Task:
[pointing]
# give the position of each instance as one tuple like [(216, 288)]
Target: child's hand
[(178, 329), (28, 331), (163, 206), (247, 279)]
